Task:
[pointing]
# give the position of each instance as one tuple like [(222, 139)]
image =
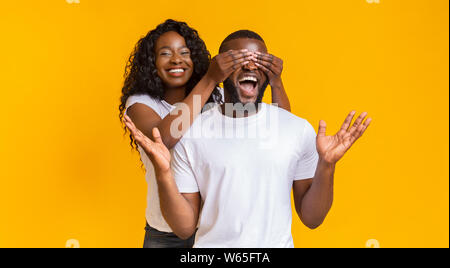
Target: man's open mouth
[(248, 85)]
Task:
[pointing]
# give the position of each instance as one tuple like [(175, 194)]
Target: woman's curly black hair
[(141, 74)]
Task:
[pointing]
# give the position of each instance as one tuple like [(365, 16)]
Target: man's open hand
[(155, 150), (332, 148)]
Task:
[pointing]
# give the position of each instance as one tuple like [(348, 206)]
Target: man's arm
[(180, 210), (313, 197)]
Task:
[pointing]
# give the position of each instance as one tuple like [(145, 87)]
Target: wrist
[(210, 80), (163, 175), (326, 163), (276, 83)]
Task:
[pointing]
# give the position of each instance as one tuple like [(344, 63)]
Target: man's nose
[(251, 66)]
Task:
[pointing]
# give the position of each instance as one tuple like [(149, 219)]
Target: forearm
[(318, 199), (279, 95), (176, 210), (190, 108)]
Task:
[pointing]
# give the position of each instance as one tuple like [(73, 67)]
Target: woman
[(172, 65)]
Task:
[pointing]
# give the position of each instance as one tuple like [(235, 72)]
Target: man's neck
[(240, 110)]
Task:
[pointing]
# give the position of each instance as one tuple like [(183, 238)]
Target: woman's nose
[(176, 59)]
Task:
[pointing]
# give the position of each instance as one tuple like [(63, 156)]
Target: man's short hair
[(240, 34)]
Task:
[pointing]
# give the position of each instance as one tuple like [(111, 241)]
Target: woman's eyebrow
[(167, 47), (164, 47)]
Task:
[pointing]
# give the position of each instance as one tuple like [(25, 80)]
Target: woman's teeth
[(176, 71)]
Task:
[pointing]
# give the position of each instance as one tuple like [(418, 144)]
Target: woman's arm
[(220, 68)]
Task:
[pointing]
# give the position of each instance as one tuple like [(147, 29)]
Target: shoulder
[(142, 98), (155, 104), (206, 117), (286, 118), (204, 123)]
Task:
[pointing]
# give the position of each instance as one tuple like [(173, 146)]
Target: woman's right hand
[(224, 64), (155, 150)]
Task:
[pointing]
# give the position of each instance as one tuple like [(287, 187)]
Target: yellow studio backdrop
[(68, 174)]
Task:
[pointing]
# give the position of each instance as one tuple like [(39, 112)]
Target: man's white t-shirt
[(244, 169)]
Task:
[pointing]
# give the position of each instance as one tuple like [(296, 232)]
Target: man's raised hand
[(155, 149), (332, 148)]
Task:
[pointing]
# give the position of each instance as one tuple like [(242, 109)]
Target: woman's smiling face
[(173, 60)]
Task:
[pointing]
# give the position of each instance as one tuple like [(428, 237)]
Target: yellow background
[(67, 171)]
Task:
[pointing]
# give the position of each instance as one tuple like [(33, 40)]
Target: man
[(242, 182)]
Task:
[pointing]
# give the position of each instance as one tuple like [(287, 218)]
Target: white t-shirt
[(244, 169), (153, 212)]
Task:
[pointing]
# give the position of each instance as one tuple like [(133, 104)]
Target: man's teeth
[(249, 78), (176, 71)]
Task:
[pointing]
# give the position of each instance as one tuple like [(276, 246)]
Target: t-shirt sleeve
[(182, 170), (307, 162), (143, 99)]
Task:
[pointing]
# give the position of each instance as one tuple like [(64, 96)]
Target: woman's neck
[(174, 95)]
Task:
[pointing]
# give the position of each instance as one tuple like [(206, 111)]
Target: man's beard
[(234, 96)]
